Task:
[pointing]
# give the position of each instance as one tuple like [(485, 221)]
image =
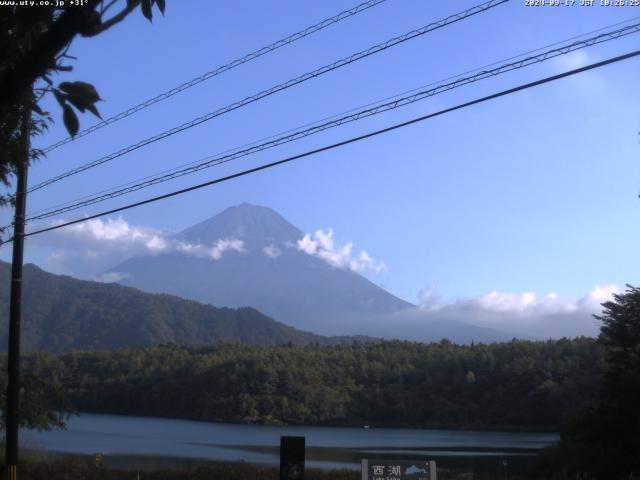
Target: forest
[(62, 313), (517, 385)]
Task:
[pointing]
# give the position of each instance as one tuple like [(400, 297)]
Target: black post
[(13, 360), (292, 458)]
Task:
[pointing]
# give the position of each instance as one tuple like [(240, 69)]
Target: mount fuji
[(250, 256)]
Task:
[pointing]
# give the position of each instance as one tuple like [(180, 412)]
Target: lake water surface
[(327, 447)]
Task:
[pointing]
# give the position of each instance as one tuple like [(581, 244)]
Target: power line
[(342, 143), (396, 96), (283, 86), (302, 133), (219, 70)]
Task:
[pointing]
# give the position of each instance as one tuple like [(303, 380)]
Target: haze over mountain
[(250, 256), (61, 313), (265, 270)]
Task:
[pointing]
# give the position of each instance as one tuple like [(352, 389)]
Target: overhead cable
[(277, 88), (305, 132), (219, 70), (338, 144), (309, 124)]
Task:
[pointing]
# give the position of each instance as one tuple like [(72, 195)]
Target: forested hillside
[(61, 313), (514, 385)]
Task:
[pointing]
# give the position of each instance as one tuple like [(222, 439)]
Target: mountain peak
[(255, 225), (250, 206)]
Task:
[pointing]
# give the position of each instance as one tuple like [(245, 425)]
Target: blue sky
[(534, 192)]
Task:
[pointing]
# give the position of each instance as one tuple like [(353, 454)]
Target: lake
[(161, 440)]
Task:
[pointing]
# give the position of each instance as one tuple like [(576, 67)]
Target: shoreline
[(155, 442), (474, 428), (154, 464)]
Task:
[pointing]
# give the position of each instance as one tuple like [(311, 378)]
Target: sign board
[(292, 458), (377, 469), (98, 459)]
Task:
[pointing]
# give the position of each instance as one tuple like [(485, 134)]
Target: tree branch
[(106, 25), (36, 62), (105, 8), (41, 57)]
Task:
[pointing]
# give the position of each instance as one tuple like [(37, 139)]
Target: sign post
[(292, 458), (377, 469)]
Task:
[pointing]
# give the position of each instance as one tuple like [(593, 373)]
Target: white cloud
[(215, 251), (593, 299), (495, 316), (88, 248), (322, 245), (525, 313), (586, 83), (114, 233), (526, 303), (272, 251), (226, 245), (571, 61), (529, 304), (112, 277), (428, 298)]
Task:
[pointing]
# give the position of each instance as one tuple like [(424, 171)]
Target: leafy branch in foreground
[(34, 42)]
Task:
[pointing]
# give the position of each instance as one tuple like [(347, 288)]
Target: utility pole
[(13, 360)]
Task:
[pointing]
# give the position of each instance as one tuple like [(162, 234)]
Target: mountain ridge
[(61, 313), (266, 266)]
